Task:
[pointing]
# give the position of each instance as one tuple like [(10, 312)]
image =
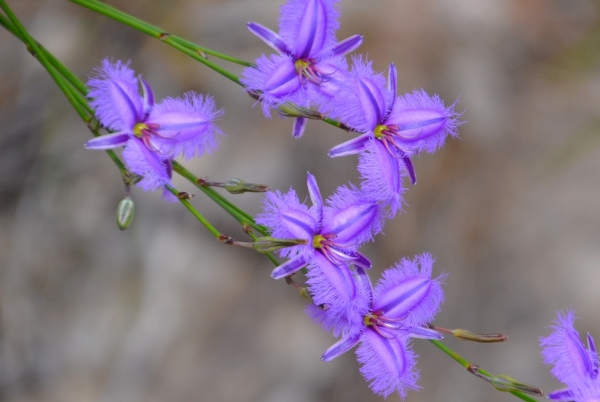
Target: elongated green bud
[(290, 109), (268, 244), (125, 212), (239, 186), (485, 338), (505, 383)]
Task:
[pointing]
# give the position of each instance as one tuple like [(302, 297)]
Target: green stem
[(68, 83), (194, 51), (465, 363), (240, 215), (195, 212)]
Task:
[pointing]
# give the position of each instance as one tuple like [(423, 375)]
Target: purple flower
[(152, 134), (310, 66), (399, 126), (404, 300), (332, 232), (574, 364)]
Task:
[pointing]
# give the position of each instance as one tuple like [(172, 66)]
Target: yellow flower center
[(317, 241), (138, 129), (379, 131)]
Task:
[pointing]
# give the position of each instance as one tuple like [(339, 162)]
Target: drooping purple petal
[(350, 147), (410, 169), (594, 354), (269, 37), (114, 96), (288, 267), (298, 127), (363, 282), (381, 175), (342, 305), (142, 161), (108, 141), (316, 199), (388, 364), (341, 347), (407, 291), (361, 260)]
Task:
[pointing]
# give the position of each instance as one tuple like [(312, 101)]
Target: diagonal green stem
[(465, 363), (68, 83), (240, 215), (195, 212), (194, 51)]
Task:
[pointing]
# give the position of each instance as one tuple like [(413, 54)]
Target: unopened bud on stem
[(268, 244), (239, 186), (125, 213), (290, 109), (485, 338)]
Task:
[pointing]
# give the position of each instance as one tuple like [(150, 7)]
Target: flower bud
[(485, 338), (268, 244), (239, 186), (125, 212), (290, 109), (505, 383)]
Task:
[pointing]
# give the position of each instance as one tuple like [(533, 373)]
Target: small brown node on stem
[(163, 35), (247, 229), (289, 280), (202, 181), (182, 195), (202, 54), (226, 239)]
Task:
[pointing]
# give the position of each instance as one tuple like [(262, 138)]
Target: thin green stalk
[(195, 212), (69, 85), (240, 215), (194, 51), (463, 362)]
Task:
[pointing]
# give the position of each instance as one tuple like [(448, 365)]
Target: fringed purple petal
[(108, 141), (423, 121), (364, 101), (352, 216), (298, 224), (334, 74), (276, 203), (350, 223), (388, 364), (593, 354), (142, 161), (353, 146), (186, 125), (573, 363), (269, 37), (407, 291), (381, 175), (114, 96), (316, 199), (339, 305), (341, 347), (308, 26), (298, 127), (275, 80), (288, 267)]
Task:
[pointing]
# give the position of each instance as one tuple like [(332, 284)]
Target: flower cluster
[(574, 364), (310, 71), (153, 134)]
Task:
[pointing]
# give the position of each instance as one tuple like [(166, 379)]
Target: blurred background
[(163, 312)]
